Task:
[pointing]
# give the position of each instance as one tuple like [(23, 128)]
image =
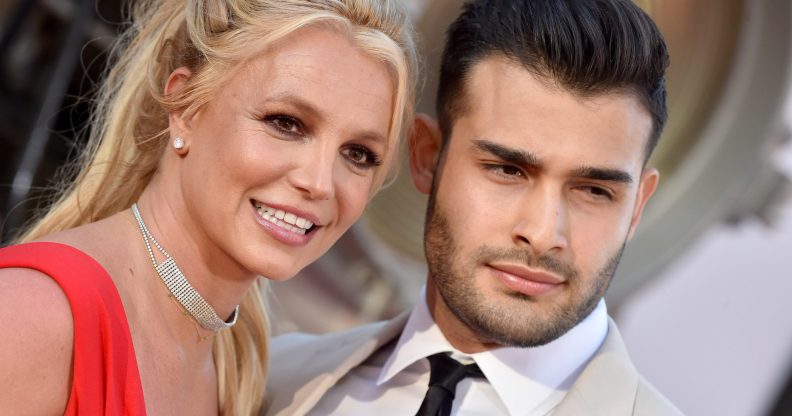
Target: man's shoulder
[(611, 385), (296, 343), (304, 366), (651, 402)]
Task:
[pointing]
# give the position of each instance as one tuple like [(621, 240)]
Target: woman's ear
[(179, 124), (425, 144)]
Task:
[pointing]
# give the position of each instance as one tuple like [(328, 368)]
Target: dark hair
[(585, 46)]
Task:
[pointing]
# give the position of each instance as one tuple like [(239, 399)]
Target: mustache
[(550, 264)]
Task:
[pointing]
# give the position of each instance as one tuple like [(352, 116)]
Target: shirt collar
[(524, 378)]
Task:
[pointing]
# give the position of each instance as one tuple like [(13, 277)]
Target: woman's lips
[(285, 233), (526, 281), (284, 219)]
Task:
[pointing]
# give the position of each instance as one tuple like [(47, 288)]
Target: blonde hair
[(130, 123)]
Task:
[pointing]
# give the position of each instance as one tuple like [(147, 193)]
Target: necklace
[(181, 289)]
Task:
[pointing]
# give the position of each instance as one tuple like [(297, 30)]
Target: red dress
[(105, 372)]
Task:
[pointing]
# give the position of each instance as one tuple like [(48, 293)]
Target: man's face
[(534, 198)]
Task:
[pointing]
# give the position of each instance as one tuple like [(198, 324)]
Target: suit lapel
[(299, 384), (302, 372), (607, 386)]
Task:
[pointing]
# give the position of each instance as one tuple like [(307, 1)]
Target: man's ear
[(649, 180), (179, 124), (425, 143)]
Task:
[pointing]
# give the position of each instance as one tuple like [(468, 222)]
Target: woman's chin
[(277, 272)]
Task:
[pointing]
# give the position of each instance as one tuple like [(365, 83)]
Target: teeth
[(283, 219)]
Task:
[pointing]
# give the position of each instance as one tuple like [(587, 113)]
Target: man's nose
[(542, 221)]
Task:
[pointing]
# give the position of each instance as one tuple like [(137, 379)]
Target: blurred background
[(702, 293)]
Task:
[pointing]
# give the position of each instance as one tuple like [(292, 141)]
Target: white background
[(714, 331)]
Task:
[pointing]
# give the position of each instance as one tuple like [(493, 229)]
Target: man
[(537, 177)]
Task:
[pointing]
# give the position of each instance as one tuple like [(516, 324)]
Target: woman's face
[(283, 160)]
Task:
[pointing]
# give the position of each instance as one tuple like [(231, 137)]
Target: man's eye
[(598, 192), (511, 171), (505, 170)]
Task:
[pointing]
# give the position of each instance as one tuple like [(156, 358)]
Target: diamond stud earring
[(178, 143)]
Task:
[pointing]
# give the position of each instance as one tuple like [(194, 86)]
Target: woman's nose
[(314, 177)]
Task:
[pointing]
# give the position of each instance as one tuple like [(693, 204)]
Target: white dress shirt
[(520, 381)]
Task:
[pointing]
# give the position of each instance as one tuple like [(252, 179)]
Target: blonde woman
[(233, 139)]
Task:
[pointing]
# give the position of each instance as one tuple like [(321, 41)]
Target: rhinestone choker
[(179, 287)]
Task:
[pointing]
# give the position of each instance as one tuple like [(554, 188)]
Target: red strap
[(106, 378)]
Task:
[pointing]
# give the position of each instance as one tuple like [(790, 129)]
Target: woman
[(233, 139)]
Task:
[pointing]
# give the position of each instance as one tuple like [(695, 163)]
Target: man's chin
[(511, 320)]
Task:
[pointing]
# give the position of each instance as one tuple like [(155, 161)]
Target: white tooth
[(283, 219)]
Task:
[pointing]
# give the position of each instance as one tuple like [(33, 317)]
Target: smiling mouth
[(286, 220)]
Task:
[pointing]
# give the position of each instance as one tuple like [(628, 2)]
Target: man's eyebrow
[(601, 174), (526, 158), (507, 154)]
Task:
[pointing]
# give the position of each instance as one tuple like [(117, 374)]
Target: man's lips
[(528, 274), (524, 280)]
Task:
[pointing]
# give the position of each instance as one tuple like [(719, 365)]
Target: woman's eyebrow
[(307, 107)]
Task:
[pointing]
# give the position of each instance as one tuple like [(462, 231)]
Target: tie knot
[(447, 372)]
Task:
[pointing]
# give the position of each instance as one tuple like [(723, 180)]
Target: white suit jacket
[(303, 367)]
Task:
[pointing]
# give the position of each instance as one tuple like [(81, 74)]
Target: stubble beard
[(532, 322)]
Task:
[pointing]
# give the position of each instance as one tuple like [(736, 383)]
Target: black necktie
[(445, 373)]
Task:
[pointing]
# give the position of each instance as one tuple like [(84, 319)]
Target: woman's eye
[(285, 124), (361, 157)]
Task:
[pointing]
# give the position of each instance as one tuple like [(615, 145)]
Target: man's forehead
[(495, 74), (493, 70), (510, 104)]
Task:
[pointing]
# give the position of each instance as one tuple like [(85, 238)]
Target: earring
[(178, 143)]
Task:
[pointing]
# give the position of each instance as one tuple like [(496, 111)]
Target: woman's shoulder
[(73, 271), (64, 263), (50, 290), (29, 294), (31, 301), (87, 251), (37, 330)]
